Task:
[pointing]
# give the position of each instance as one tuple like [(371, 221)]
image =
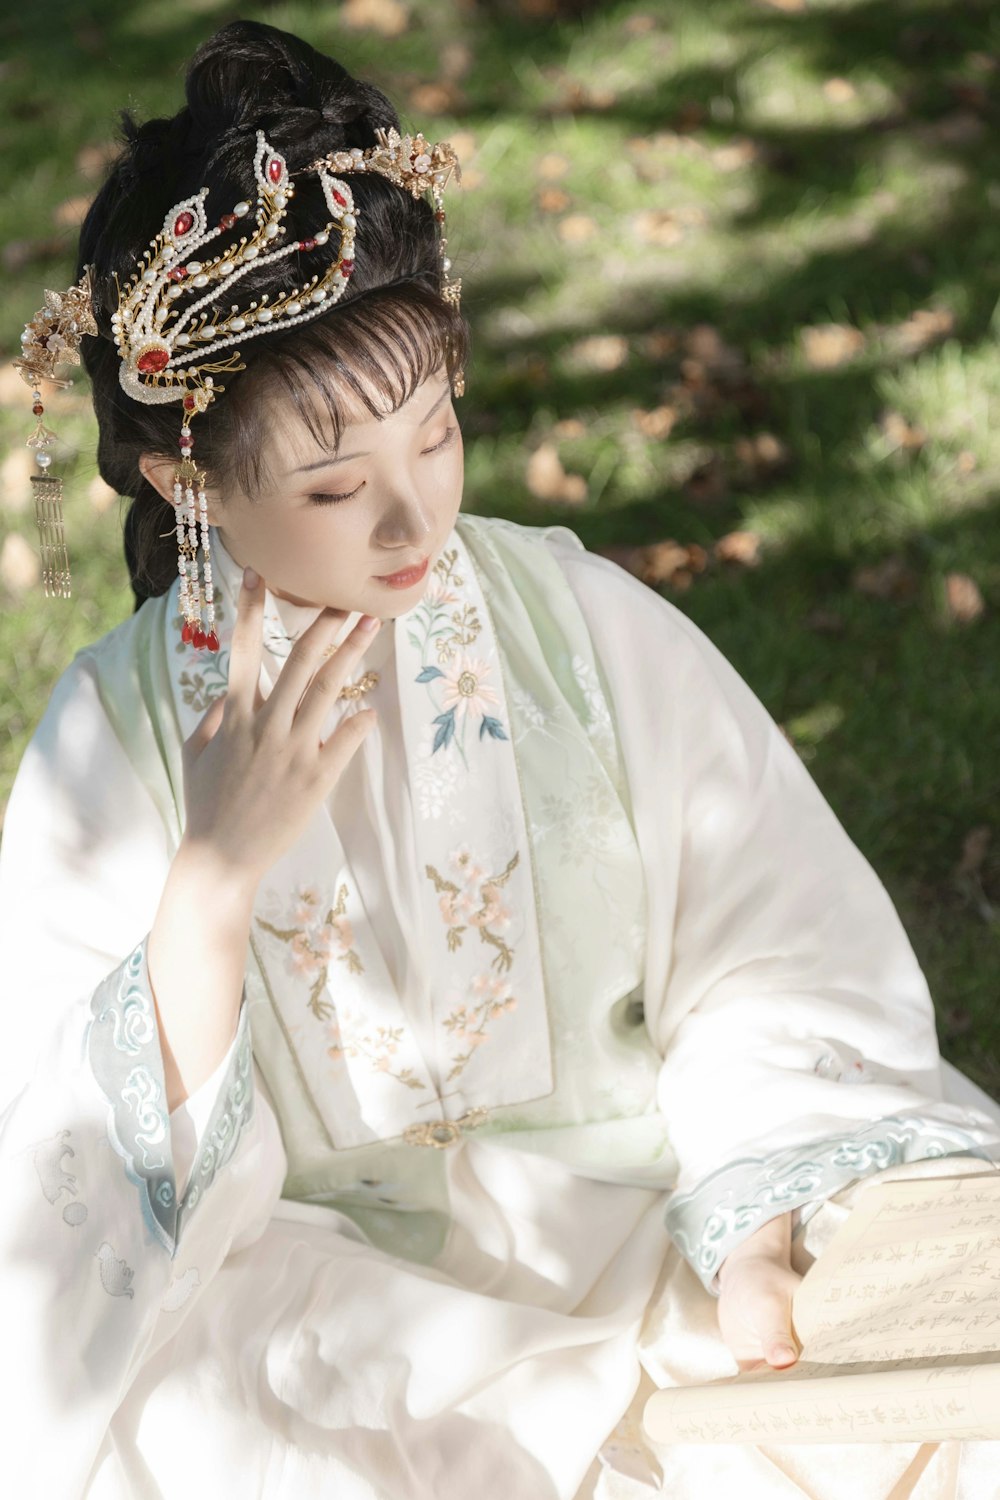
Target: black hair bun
[(250, 76)]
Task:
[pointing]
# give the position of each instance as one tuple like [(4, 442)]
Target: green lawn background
[(733, 277)]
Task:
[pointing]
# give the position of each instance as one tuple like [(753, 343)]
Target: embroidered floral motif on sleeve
[(474, 900), (313, 938)]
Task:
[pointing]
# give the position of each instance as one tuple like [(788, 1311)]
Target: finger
[(779, 1350), (301, 663), (247, 644), (207, 726), (322, 692), (344, 742)]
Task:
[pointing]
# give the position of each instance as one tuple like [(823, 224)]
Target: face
[(331, 529)]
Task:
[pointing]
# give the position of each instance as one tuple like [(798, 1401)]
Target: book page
[(912, 1273), (802, 1405), (899, 1319)]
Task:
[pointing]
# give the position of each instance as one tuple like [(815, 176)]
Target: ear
[(159, 472)]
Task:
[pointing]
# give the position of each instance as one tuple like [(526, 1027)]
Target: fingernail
[(782, 1351), (369, 622), (250, 578)]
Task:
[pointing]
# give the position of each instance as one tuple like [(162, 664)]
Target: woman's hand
[(757, 1284), (255, 770)]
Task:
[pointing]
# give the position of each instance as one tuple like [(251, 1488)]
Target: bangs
[(365, 359)]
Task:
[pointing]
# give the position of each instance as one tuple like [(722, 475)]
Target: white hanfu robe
[(277, 1350)]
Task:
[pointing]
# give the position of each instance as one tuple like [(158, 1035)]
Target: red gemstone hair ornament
[(173, 336)]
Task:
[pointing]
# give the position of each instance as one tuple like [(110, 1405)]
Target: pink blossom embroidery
[(475, 900), (314, 939), (349, 1039)]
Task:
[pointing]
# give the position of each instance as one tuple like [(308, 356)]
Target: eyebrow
[(341, 458)]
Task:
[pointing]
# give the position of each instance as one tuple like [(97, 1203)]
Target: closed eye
[(448, 438)]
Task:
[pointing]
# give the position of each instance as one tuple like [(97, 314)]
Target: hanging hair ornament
[(172, 336), (411, 162), (52, 338)]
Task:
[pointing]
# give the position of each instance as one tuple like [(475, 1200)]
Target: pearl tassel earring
[(197, 596)]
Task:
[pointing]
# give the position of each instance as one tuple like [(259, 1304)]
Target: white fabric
[(279, 1355)]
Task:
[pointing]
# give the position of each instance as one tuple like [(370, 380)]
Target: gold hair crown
[(172, 344)]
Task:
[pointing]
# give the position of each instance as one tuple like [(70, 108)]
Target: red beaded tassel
[(197, 594)]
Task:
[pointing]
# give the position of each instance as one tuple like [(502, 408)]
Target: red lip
[(406, 577)]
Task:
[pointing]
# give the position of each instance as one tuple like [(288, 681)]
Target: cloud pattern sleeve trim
[(731, 1203), (123, 1048)]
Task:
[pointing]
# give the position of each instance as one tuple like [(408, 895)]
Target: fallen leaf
[(465, 146), (94, 160), (839, 90), (15, 479), (575, 229), (553, 165), (552, 200), (662, 560), (17, 254), (892, 578), (734, 155), (443, 98), (963, 599), (657, 226), (14, 392), (599, 351), (739, 547), (387, 17), (762, 452), (632, 559), (658, 423), (569, 427), (975, 847), (639, 25), (101, 495), (829, 345), (825, 622), (708, 484), (456, 59), (690, 115), (72, 211), (659, 344), (706, 345), (957, 1021), (900, 434), (20, 569), (925, 326), (547, 479)]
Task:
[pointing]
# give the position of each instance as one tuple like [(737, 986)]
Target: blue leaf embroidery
[(492, 727), (428, 675), (446, 729)]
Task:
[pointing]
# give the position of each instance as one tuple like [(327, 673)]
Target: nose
[(406, 522)]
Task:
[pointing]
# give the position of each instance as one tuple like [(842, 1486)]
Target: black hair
[(389, 330)]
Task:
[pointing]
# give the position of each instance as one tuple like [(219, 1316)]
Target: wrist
[(224, 887), (771, 1242)]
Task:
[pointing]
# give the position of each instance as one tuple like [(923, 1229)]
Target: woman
[(432, 980)]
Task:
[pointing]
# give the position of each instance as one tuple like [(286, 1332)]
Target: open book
[(899, 1321)]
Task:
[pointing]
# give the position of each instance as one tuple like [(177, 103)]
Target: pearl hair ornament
[(172, 348)]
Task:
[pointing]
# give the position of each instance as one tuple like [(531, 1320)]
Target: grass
[(775, 227)]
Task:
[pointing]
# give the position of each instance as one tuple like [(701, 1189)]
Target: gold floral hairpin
[(174, 338)]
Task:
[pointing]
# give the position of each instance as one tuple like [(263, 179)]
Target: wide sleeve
[(795, 1025), (116, 1214)]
